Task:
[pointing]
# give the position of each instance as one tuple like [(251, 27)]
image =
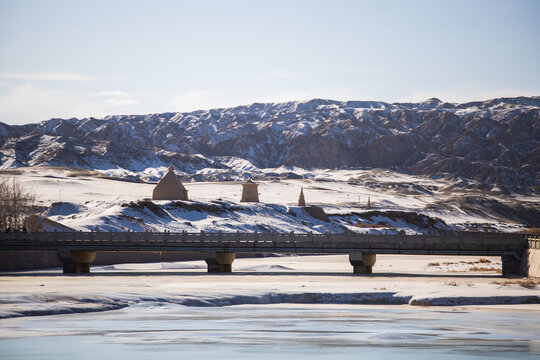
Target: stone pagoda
[(301, 199), (170, 188), (250, 192)]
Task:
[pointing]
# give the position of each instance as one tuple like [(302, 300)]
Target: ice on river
[(153, 329), (288, 307)]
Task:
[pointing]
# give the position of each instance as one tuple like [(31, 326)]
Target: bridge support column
[(511, 266), (219, 262), (76, 261), (362, 262)]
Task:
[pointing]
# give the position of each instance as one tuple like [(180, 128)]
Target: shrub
[(17, 204), (480, 268)]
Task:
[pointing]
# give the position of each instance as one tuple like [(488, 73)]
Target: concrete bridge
[(77, 250)]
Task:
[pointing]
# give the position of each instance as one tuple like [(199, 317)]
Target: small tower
[(170, 188), (368, 205), (250, 193), (301, 199)]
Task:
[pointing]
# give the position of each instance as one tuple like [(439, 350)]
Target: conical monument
[(368, 205), (250, 193), (170, 188), (301, 199)]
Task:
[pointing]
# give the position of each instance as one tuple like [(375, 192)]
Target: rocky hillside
[(493, 142)]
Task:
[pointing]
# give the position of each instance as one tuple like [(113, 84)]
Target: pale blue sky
[(93, 58)]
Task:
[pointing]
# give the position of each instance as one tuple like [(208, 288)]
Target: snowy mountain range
[(492, 142)]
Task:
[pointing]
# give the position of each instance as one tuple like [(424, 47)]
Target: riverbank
[(397, 279)]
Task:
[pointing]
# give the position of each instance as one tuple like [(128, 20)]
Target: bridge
[(77, 250)]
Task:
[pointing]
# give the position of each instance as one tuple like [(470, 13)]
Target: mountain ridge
[(495, 141)]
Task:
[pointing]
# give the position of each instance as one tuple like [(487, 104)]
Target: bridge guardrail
[(268, 241), (534, 242)]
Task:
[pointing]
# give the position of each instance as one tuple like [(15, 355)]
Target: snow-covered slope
[(411, 204), (493, 142)]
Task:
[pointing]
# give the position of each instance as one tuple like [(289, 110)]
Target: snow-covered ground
[(396, 279), (85, 200)]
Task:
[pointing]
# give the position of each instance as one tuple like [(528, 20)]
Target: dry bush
[(483, 261), (17, 204), (451, 283), (526, 283), (481, 268), (433, 264)]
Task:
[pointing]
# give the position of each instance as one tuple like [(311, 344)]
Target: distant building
[(170, 188), (301, 199), (250, 192)]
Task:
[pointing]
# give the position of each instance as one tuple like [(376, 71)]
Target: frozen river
[(273, 308), (153, 330)]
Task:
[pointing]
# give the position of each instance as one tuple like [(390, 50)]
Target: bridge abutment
[(533, 262), (362, 262), (219, 262), (527, 265), (76, 261)]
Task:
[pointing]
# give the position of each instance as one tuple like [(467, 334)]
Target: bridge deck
[(470, 244)]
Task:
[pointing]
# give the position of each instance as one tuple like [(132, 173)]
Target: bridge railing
[(534, 242), (263, 241)]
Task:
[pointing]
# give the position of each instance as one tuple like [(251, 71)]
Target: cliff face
[(495, 141)]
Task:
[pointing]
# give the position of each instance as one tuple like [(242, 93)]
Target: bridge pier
[(76, 261), (219, 262), (362, 262), (511, 266)]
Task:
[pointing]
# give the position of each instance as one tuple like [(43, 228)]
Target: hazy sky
[(93, 58)]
